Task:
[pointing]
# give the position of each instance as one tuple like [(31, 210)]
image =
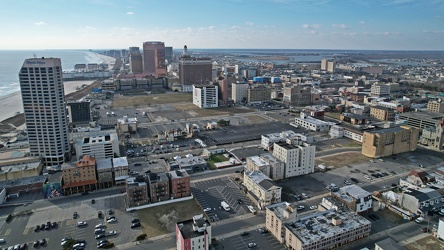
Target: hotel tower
[(44, 107)]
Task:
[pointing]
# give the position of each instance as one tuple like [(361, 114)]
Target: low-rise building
[(388, 244), (389, 141), (159, 187), (277, 167), (127, 125), (321, 230), (310, 123), (20, 170), (276, 216), (102, 146), (355, 198), (80, 176), (193, 234), (440, 233), (421, 201), (255, 163), (336, 131), (190, 163), (422, 119), (416, 180), (120, 167), (261, 188), (137, 191), (382, 113), (104, 173), (268, 140), (353, 119), (179, 183), (435, 106)]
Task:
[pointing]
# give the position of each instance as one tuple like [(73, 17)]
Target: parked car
[(100, 236), (110, 233), (300, 207), (74, 216), (354, 180), (419, 220), (252, 244), (2, 241), (112, 220), (110, 212), (99, 231), (101, 225), (37, 228), (36, 244), (425, 230), (81, 224), (313, 207), (102, 241), (85, 193), (42, 242), (207, 209), (134, 225), (245, 233), (135, 220), (54, 224), (304, 195)]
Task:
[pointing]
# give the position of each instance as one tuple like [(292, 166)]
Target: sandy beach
[(108, 60), (13, 103)]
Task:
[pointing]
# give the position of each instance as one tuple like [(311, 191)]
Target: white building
[(255, 163), (193, 234), (440, 233), (205, 96), (310, 123), (103, 146), (298, 159), (356, 198), (263, 189), (268, 140), (380, 89), (239, 91), (43, 98), (277, 167), (336, 131)]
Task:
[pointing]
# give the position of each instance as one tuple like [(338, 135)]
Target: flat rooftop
[(256, 176), (422, 115), (188, 228), (286, 145), (258, 161), (318, 226), (347, 193)]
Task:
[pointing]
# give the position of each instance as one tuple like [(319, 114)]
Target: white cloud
[(235, 27), (40, 23), (212, 27), (130, 13), (311, 26), (340, 25), (249, 23)]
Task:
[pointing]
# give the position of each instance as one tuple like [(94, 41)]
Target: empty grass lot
[(427, 243), (339, 160), (148, 100), (215, 159), (162, 219)]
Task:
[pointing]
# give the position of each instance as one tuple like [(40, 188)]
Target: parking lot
[(262, 240), (21, 228), (210, 194)]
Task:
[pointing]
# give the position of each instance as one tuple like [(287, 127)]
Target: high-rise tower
[(193, 70), (154, 59), (44, 107)]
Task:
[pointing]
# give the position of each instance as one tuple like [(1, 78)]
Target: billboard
[(52, 190)]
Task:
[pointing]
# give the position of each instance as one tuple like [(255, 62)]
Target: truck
[(225, 206)]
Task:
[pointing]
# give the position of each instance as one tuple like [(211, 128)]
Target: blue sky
[(278, 24)]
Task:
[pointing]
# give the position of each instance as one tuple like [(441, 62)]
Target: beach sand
[(12, 103)]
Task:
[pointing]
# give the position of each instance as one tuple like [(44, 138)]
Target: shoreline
[(12, 102)]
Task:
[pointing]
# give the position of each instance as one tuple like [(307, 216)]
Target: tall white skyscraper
[(44, 107)]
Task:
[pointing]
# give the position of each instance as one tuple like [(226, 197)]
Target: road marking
[(8, 231), (25, 232)]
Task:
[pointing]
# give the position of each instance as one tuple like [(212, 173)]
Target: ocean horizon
[(12, 60)]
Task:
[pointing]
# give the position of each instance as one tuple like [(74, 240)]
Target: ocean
[(11, 61)]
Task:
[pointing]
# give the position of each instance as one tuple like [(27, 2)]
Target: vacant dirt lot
[(148, 100), (198, 112), (428, 243), (342, 159), (162, 219)]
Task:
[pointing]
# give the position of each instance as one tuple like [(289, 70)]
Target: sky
[(241, 24)]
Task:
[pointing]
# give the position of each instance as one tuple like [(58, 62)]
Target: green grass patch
[(215, 159), (162, 219)]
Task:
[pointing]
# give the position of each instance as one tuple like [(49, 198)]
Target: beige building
[(297, 95), (276, 216), (389, 141), (382, 113), (262, 188), (127, 125), (277, 167), (299, 159), (255, 163), (21, 170), (79, 177), (435, 106), (239, 91), (258, 93)]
